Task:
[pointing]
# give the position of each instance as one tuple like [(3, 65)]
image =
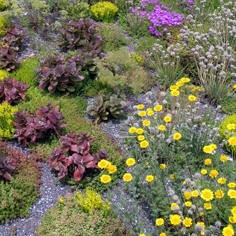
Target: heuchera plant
[(73, 157), (9, 47), (59, 73), (160, 16), (82, 36), (9, 161), (12, 91), (39, 125)]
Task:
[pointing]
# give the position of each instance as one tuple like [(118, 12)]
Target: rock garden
[(117, 117)]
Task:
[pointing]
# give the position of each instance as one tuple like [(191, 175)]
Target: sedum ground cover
[(179, 160)]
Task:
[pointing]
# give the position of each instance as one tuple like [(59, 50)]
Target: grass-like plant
[(213, 53)]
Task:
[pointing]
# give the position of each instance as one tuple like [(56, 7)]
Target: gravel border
[(50, 191)]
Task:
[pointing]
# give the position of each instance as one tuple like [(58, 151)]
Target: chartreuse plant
[(90, 201), (27, 71), (18, 194), (171, 141), (227, 130), (3, 25), (4, 4), (104, 11), (81, 214), (7, 116), (3, 74)]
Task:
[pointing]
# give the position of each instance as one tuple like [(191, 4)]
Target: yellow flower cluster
[(104, 11), (108, 166), (174, 89), (209, 149), (136, 57)]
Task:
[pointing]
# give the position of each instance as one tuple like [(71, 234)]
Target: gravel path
[(50, 191)]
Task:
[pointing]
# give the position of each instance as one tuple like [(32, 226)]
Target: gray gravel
[(50, 191)]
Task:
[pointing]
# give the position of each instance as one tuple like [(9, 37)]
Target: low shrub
[(228, 105), (123, 73), (6, 120), (112, 36), (104, 11), (12, 91), (73, 11)]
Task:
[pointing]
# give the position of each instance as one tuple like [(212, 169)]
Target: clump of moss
[(26, 72)]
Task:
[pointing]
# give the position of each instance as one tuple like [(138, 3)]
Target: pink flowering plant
[(159, 16)]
